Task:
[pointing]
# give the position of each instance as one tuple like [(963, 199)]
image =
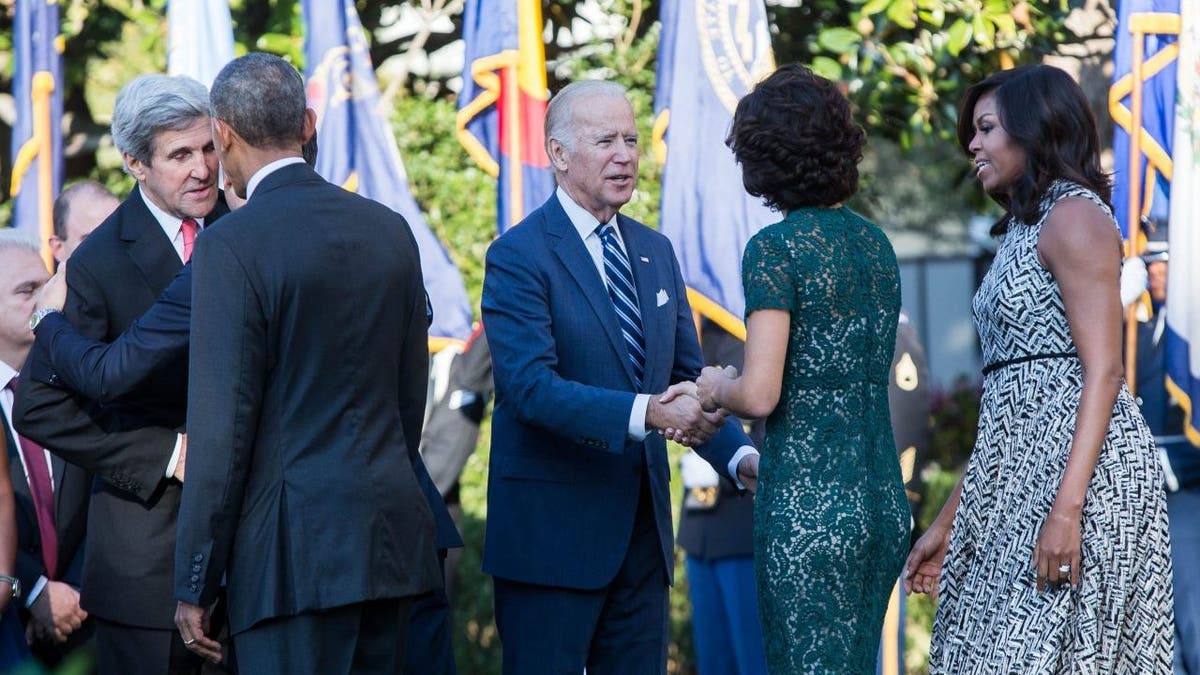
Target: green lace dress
[(831, 520)]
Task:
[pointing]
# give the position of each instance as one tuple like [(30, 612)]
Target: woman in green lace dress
[(822, 298)]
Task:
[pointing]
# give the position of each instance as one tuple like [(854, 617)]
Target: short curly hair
[(796, 140)]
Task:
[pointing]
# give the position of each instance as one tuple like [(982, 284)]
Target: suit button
[(192, 588), (54, 379), (195, 568), (199, 557), (195, 577)]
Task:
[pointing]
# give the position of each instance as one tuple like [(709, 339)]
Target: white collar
[(267, 170), (6, 373), (582, 219)]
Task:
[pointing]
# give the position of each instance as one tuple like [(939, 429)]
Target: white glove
[(1133, 281)]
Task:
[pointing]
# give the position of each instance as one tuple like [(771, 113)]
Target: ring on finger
[(1065, 568), (189, 642)]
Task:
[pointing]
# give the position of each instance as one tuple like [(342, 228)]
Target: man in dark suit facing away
[(161, 126), (307, 378)]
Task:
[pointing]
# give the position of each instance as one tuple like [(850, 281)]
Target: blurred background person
[(1063, 464), (51, 495), (79, 209), (13, 647), (1180, 459), (822, 305)]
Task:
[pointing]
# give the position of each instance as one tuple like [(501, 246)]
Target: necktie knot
[(11, 385), (188, 228)]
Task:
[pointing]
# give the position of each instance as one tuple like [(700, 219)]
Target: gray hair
[(262, 98), (19, 240), (560, 123), (62, 203), (152, 103)]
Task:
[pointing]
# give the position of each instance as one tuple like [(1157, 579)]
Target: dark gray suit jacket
[(309, 363)]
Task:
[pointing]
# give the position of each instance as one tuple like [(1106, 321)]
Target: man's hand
[(192, 621), (747, 472), (53, 294), (679, 417), (179, 465), (56, 612)]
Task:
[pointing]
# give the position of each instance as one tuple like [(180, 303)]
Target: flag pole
[(1135, 193)]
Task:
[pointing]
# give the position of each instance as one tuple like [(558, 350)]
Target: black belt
[(991, 367)]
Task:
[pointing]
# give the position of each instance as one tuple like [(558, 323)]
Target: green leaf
[(958, 37), (935, 16), (839, 40), (902, 13), (875, 6), (827, 68)]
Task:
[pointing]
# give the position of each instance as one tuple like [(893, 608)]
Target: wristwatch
[(16, 584), (39, 315)]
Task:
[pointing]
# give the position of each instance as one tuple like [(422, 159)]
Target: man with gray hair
[(78, 210), (593, 345), (162, 129), (307, 395)]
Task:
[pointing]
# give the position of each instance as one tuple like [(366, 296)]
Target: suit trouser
[(360, 639), (430, 650), (1183, 511), (132, 650), (725, 625), (620, 629)]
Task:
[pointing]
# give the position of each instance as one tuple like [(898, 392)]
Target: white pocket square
[(662, 297)]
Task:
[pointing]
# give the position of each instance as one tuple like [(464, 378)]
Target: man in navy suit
[(588, 321)]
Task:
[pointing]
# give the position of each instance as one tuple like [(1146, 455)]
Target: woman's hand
[(1056, 556), (711, 379), (924, 565)]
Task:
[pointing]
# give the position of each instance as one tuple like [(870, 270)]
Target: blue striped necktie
[(619, 279)]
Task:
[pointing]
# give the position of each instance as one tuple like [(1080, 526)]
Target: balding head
[(78, 210)]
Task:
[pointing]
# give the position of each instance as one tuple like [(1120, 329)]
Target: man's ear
[(136, 168), (223, 135), (310, 124), (557, 153)]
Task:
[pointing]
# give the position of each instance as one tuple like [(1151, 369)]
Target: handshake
[(686, 412)]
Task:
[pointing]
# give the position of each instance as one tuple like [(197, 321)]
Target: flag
[(1158, 105), (705, 211), (502, 105), (358, 150), (199, 38), (1183, 282), (37, 133)]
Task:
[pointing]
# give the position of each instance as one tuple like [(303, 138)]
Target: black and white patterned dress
[(990, 616)]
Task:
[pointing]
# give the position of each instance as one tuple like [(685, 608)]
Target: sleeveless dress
[(831, 520), (990, 616)]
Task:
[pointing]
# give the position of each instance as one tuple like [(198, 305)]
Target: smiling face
[(999, 160), (181, 176), (598, 168)]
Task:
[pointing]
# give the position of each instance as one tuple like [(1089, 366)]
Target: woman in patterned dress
[(1052, 555), (831, 520)]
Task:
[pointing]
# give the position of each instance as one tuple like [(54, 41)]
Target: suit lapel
[(147, 245), (575, 258), (642, 262)]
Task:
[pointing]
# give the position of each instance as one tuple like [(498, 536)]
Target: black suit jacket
[(72, 486), (309, 364), (113, 278), (109, 371)]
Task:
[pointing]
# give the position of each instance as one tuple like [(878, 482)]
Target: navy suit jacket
[(106, 371), (564, 480)]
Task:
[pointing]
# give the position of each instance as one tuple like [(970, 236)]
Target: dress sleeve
[(767, 274)]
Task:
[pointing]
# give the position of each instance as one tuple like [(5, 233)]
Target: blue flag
[(199, 38), (37, 133), (1158, 113), (706, 212), (502, 105), (358, 151)]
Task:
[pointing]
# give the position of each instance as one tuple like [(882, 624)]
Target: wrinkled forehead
[(604, 113), (194, 134)]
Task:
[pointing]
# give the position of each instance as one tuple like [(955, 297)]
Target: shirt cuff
[(175, 455), (737, 458), (637, 418), (33, 594)]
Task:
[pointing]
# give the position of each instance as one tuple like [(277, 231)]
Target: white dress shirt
[(7, 373), (585, 224)]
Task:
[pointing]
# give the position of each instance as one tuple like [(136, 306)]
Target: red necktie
[(188, 228), (42, 491)]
